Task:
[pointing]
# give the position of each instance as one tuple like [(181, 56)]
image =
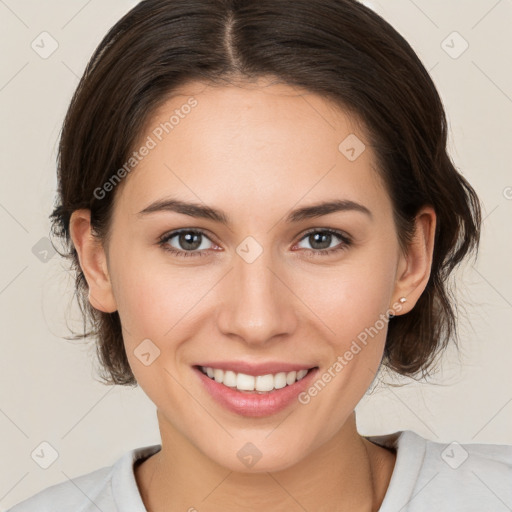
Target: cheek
[(349, 298), (351, 304), (352, 310), (140, 295), (156, 300)]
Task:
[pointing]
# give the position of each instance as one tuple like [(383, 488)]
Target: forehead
[(251, 146)]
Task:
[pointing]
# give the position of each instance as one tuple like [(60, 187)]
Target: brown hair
[(339, 49)]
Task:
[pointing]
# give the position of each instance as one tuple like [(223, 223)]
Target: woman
[(260, 210)]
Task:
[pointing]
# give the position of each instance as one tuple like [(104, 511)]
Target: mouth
[(255, 396), (259, 384)]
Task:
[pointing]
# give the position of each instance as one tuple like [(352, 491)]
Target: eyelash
[(346, 242)]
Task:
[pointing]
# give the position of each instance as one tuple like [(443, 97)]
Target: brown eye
[(321, 240), (188, 242)]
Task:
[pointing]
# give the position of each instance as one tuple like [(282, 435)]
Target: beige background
[(48, 392)]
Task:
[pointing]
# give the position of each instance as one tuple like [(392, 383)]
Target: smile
[(260, 383), (255, 395)]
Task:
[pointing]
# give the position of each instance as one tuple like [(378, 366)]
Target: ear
[(413, 270), (93, 261)]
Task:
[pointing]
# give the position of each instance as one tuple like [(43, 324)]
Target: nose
[(258, 307)]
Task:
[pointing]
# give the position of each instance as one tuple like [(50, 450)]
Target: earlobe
[(414, 268), (93, 261)]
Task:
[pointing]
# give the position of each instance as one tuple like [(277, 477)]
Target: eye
[(190, 242), (321, 239)]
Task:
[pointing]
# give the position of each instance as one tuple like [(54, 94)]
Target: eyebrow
[(300, 214)]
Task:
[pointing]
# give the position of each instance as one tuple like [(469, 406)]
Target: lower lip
[(255, 404)]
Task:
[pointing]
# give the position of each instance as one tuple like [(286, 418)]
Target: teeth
[(301, 373), (261, 383), (280, 380), (229, 379), (291, 377), (264, 382), (244, 382)]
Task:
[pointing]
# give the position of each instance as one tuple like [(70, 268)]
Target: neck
[(345, 473)]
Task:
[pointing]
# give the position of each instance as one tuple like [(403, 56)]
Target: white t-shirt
[(428, 476)]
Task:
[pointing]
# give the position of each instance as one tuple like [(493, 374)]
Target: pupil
[(192, 240), (186, 240), (321, 235)]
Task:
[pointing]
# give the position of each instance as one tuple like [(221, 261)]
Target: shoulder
[(431, 475), (109, 489), (478, 476), (78, 494)]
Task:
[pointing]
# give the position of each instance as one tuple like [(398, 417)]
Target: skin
[(255, 151)]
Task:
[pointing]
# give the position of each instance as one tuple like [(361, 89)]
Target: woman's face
[(258, 288)]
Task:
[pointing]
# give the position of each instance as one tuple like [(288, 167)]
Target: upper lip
[(256, 369)]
